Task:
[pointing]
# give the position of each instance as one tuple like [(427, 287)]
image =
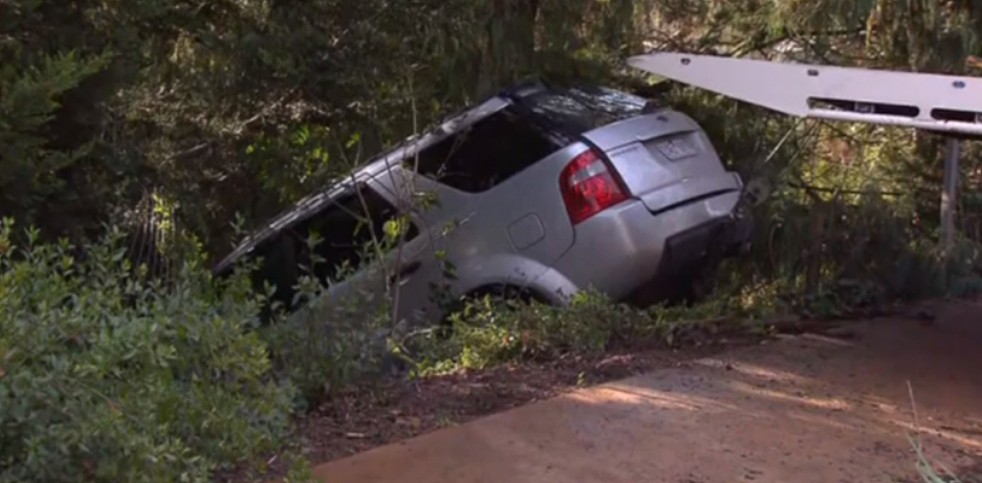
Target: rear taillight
[(589, 187)]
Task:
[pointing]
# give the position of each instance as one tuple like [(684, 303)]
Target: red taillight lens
[(588, 187)]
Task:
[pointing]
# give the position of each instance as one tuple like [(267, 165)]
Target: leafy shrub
[(107, 376), (488, 332), (329, 342), (323, 340)]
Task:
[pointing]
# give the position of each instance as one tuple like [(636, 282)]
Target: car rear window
[(585, 108)]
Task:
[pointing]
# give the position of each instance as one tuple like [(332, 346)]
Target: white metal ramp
[(924, 101)]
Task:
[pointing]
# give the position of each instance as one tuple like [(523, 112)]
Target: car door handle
[(404, 271)]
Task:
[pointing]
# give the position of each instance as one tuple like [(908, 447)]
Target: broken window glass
[(584, 109), (486, 153)]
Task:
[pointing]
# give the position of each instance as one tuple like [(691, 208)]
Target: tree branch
[(810, 188)]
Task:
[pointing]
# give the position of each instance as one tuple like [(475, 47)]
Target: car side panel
[(511, 233), (414, 268)]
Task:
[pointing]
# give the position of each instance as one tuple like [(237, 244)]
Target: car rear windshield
[(584, 109)]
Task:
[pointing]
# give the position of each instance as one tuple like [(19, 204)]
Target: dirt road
[(801, 409)]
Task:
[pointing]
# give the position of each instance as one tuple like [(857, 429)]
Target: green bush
[(328, 343), (108, 376), (487, 332)]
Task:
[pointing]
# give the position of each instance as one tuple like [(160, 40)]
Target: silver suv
[(540, 192)]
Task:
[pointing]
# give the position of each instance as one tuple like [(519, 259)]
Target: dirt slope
[(801, 409)]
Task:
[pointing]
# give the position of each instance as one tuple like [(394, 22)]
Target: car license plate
[(675, 148)]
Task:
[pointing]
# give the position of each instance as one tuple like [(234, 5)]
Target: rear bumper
[(687, 254), (622, 249)]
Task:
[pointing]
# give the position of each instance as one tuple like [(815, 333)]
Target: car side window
[(346, 231), (485, 154)]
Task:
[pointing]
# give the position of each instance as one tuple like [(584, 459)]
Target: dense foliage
[(219, 109), (105, 376), (187, 117), (243, 106)]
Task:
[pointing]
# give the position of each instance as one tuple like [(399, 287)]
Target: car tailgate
[(665, 159)]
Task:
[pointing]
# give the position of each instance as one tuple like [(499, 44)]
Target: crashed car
[(540, 192)]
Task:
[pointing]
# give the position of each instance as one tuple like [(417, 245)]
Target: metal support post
[(949, 194)]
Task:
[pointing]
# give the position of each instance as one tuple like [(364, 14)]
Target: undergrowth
[(489, 332), (106, 375)]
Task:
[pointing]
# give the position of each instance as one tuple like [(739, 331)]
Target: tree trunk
[(510, 44), (816, 232)]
